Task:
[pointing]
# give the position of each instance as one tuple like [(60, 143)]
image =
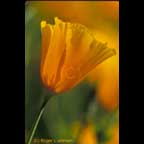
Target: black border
[(13, 72), (130, 73)]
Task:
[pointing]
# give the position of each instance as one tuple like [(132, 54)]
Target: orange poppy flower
[(88, 136), (114, 132), (69, 52), (108, 89)]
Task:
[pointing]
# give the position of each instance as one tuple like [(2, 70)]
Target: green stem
[(32, 131), (29, 141)]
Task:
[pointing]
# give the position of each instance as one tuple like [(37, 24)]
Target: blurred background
[(88, 113)]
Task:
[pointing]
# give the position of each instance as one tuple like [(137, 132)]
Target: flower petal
[(55, 52), (70, 51), (83, 53)]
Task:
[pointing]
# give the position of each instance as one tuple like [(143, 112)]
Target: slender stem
[(32, 132)]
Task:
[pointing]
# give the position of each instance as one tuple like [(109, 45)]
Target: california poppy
[(69, 52)]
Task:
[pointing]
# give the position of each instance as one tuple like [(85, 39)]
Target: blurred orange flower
[(90, 13), (88, 136), (108, 9), (114, 132), (108, 88), (69, 52)]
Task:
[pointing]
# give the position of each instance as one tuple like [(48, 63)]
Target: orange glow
[(108, 89), (90, 13)]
